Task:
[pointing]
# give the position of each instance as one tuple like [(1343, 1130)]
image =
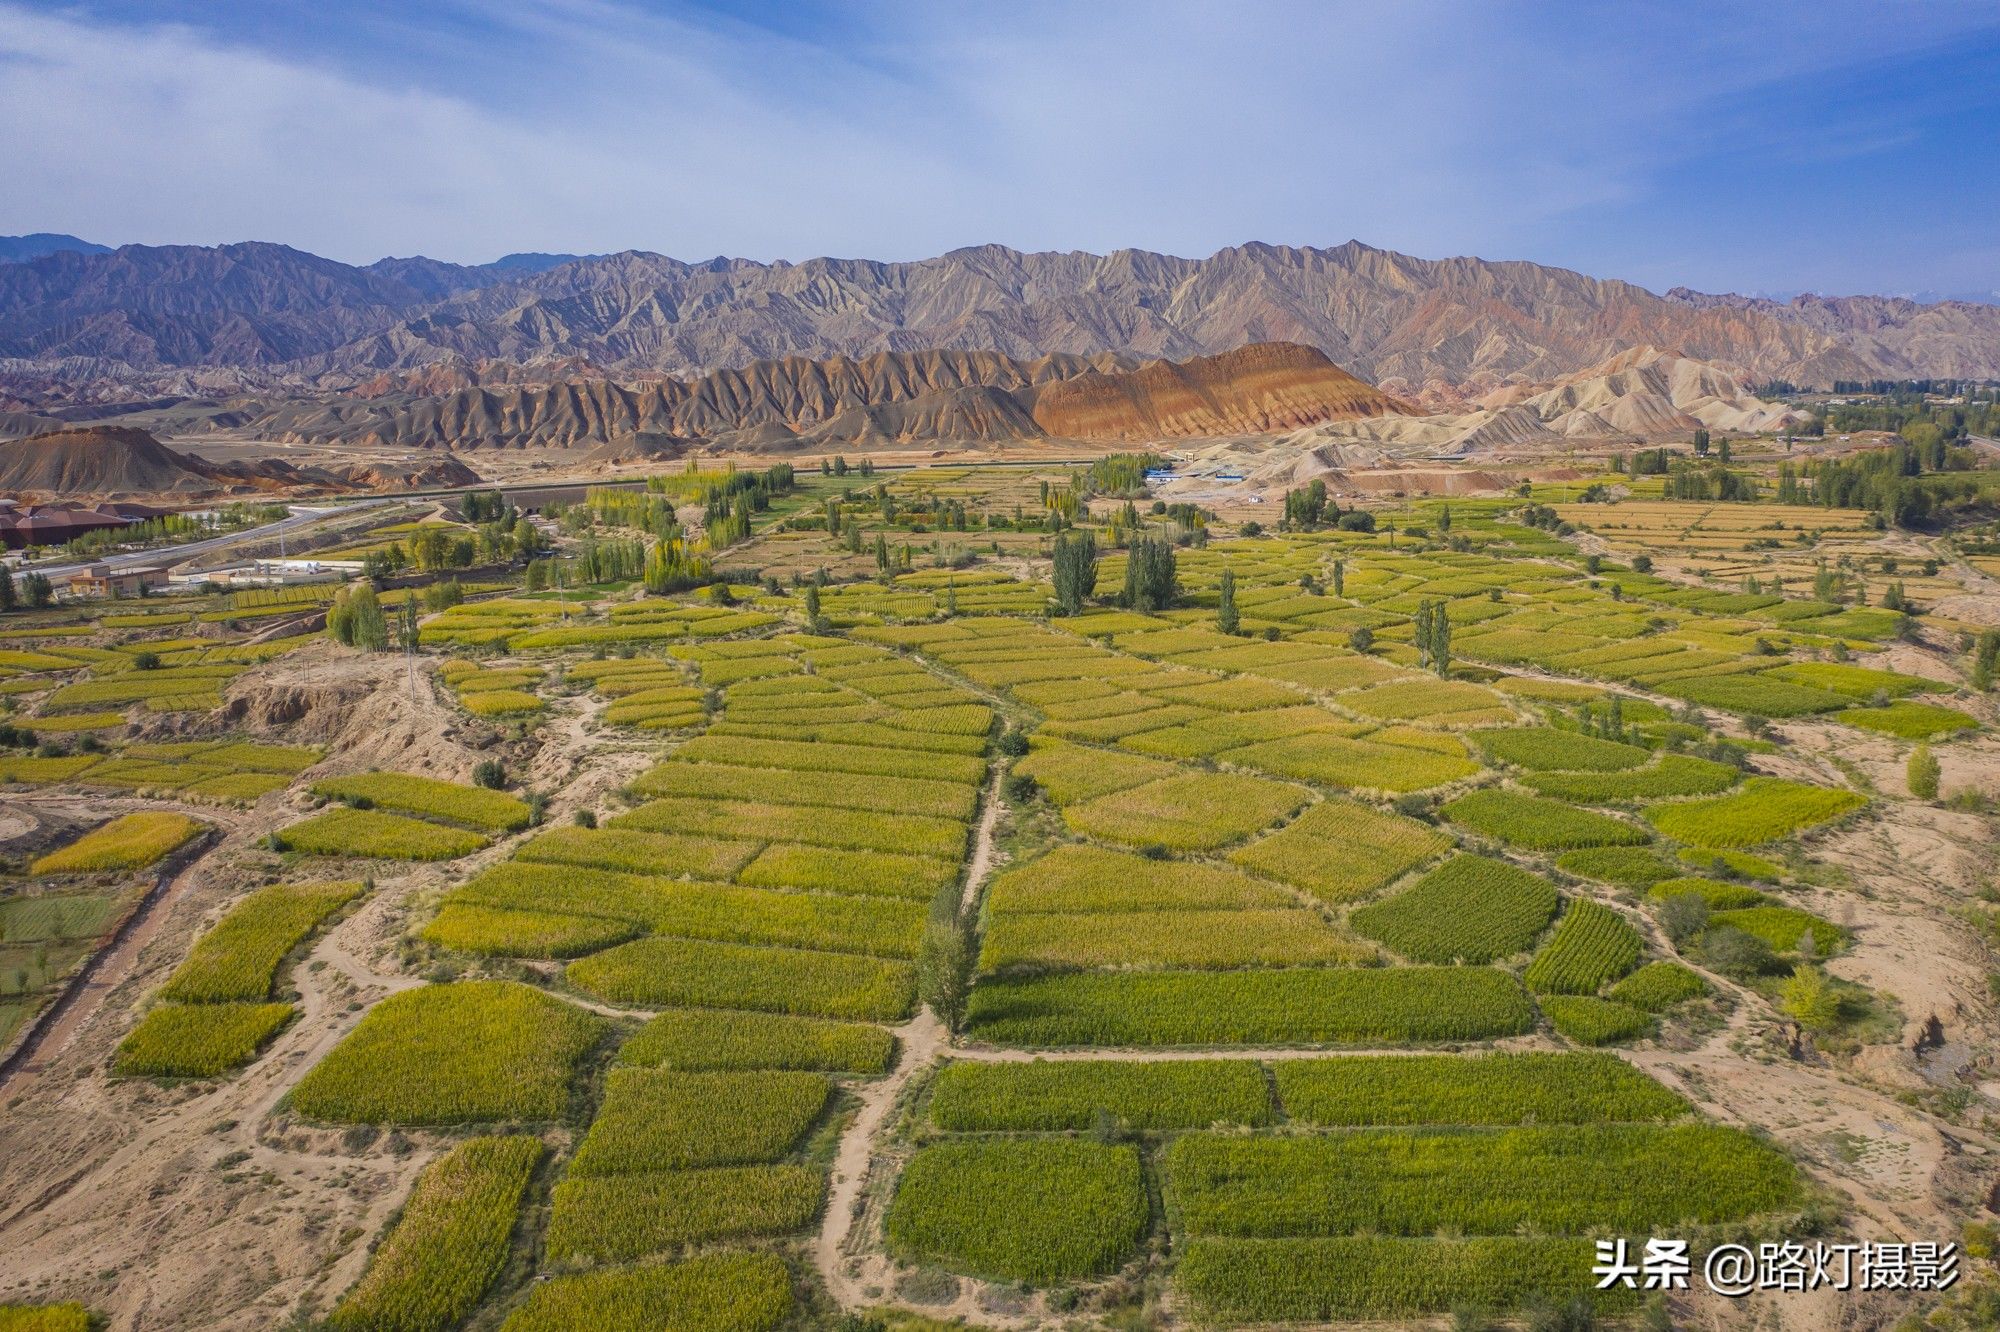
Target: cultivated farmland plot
[(909, 948)]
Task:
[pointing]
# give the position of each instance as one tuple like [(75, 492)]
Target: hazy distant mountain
[(1897, 338), (1409, 324), (18, 249), (438, 279)]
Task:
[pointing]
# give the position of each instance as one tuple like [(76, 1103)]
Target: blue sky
[(1839, 146)]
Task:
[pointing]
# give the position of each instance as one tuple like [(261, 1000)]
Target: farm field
[(953, 940)]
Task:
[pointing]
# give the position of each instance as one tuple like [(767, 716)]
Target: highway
[(163, 556)]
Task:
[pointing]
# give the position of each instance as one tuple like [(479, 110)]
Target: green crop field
[(1075, 878), (238, 959), (470, 1052), (1637, 866), (611, 1218), (702, 1039), (468, 927), (1374, 1277), (378, 836), (448, 1244), (1591, 947), (675, 973), (1657, 986), (129, 842), (1537, 824), (1338, 850), (1541, 748), (67, 1317), (1046, 1096), (1766, 809), (198, 1040), (1191, 812), (1162, 938), (666, 1119), (490, 811), (1671, 775), (1500, 1089), (714, 1292), (1588, 1020), (1469, 909), (1042, 1211), (1302, 1005), (1566, 1179)]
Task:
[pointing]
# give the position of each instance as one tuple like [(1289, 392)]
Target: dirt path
[(851, 1267), (105, 970), (205, 1205)]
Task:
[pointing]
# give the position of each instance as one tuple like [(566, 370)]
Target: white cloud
[(593, 125)]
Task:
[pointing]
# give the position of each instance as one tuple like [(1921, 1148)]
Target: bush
[(491, 774), (1736, 952), (1923, 773)]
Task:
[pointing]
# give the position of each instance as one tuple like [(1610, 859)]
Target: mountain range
[(969, 397), (256, 316)]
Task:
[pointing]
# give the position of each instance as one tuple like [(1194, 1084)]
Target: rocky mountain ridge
[(1414, 326), (967, 397)]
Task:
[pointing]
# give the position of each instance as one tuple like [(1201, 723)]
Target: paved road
[(300, 516)]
